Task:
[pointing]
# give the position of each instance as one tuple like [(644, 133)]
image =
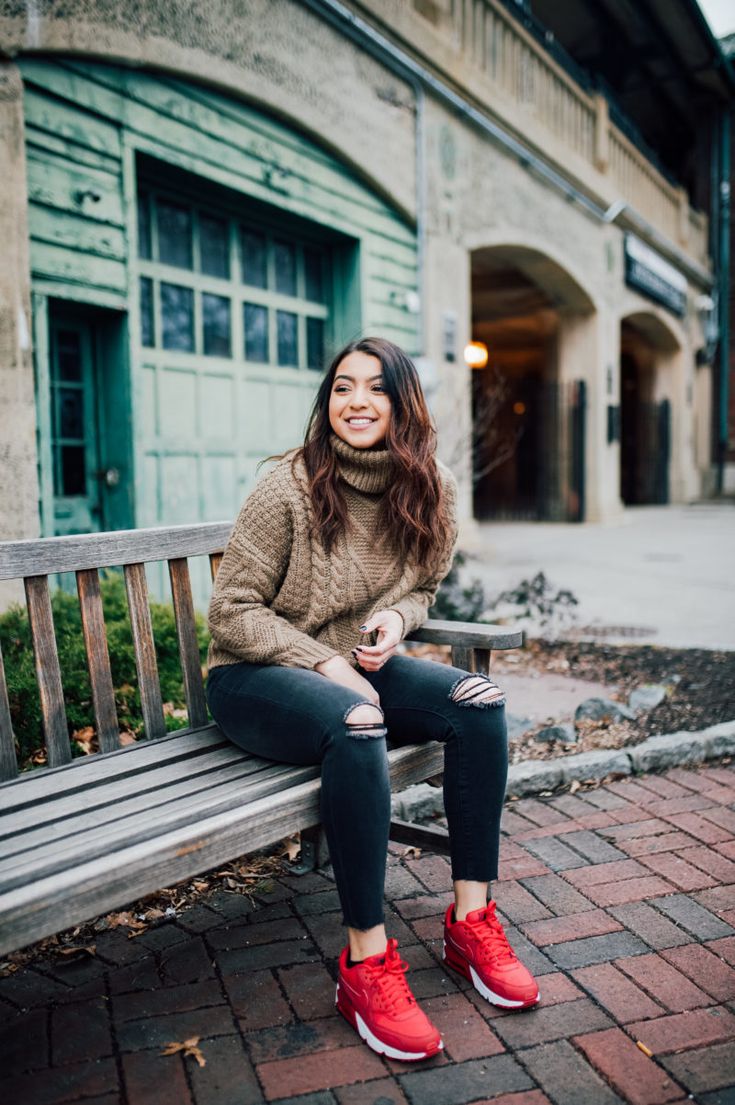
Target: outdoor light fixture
[(476, 354)]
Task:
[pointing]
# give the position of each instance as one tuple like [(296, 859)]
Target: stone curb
[(533, 776)]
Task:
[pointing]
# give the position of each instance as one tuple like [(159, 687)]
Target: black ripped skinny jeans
[(298, 716)]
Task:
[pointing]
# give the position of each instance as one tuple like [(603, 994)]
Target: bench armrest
[(468, 635)]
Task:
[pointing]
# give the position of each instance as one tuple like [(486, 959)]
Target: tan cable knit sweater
[(280, 599)]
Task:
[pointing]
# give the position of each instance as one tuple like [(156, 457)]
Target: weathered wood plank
[(191, 666), (48, 672), (145, 651), (44, 785), (98, 659), (8, 762), (83, 829), (482, 660), (118, 789), (86, 890), (215, 559), (469, 634), (42, 860), (19, 866), (103, 550), (432, 837), (463, 658)]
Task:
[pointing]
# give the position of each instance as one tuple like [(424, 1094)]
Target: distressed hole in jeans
[(476, 690), (365, 721)]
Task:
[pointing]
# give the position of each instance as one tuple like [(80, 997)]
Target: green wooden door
[(75, 446)]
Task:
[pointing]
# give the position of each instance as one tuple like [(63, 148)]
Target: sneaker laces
[(389, 974), (491, 936)]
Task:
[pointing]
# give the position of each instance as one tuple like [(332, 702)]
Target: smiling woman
[(336, 555), (359, 408)]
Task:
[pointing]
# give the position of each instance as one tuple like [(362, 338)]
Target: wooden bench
[(90, 834)]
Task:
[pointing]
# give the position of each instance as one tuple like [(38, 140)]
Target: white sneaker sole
[(382, 1048), (487, 993)]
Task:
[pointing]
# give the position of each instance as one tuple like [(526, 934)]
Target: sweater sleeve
[(255, 560), (414, 606)]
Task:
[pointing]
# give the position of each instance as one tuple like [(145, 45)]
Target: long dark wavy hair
[(414, 507)]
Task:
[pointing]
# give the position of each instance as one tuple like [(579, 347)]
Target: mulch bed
[(700, 682)]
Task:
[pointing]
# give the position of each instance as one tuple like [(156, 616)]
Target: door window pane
[(254, 259), (216, 324), (144, 226), (214, 246), (174, 235), (71, 412), (313, 275), (285, 258), (177, 317), (256, 333), (315, 343), (286, 326), (147, 332), (69, 355), (73, 477)]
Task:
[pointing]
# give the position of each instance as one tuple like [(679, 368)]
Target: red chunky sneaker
[(377, 1001), (478, 948)]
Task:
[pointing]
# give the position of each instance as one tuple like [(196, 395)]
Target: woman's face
[(359, 408)]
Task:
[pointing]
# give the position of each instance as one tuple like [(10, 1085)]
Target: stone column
[(19, 515)]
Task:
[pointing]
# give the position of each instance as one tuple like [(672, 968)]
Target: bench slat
[(8, 762), (191, 666), (108, 837), (87, 890), (215, 559), (48, 672), (36, 787), (98, 659), (75, 826), (145, 651), (49, 555), (163, 815), (116, 789)]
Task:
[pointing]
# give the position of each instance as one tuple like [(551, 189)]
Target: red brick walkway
[(621, 899)]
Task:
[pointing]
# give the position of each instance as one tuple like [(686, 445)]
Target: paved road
[(620, 899), (667, 574)]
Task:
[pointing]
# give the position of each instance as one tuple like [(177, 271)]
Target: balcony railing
[(482, 46)]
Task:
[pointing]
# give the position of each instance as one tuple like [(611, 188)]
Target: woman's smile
[(359, 407)]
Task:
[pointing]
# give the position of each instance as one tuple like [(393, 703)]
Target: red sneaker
[(478, 948), (377, 1001)]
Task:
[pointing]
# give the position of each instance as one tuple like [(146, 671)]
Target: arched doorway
[(529, 402), (646, 348)]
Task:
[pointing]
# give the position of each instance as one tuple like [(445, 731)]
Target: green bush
[(15, 640)]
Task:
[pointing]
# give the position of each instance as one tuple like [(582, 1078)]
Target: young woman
[(336, 555)]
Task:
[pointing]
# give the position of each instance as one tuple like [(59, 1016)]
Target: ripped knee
[(477, 690), (365, 721)]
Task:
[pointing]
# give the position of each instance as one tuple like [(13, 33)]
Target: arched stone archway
[(529, 405), (650, 367)]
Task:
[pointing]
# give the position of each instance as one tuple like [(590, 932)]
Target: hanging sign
[(648, 272)]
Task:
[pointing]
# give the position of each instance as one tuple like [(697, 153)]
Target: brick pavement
[(622, 899)]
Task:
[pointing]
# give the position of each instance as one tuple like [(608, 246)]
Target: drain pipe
[(724, 299)]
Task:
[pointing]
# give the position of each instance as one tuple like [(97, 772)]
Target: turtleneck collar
[(366, 470)]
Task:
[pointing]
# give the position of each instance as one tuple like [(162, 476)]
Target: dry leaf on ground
[(189, 1047)]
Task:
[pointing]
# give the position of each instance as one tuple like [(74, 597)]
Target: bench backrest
[(35, 561)]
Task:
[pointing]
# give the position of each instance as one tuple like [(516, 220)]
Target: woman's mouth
[(360, 423)]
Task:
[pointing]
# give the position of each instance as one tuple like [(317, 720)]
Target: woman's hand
[(389, 625), (340, 671)]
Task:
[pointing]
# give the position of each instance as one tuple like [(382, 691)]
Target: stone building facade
[(200, 202)]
